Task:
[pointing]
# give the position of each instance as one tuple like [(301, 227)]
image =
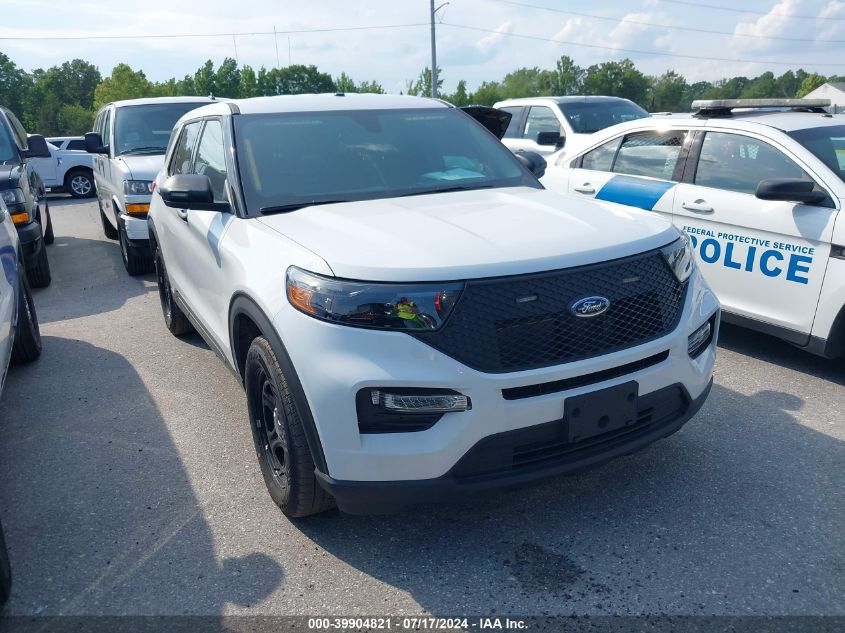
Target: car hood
[(143, 167), (469, 234)]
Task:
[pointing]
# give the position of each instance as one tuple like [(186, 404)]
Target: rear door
[(640, 169), (765, 260)]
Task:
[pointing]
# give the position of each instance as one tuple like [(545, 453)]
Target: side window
[(98, 123), (211, 158), (601, 158), (513, 130), (739, 163), (106, 133), (650, 154), (181, 161), (76, 144), (540, 119)]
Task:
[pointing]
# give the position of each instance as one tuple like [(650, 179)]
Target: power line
[(733, 10), (663, 26), (183, 35), (640, 51)]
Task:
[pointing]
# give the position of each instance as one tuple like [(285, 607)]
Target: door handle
[(698, 206), (585, 188), (183, 214)]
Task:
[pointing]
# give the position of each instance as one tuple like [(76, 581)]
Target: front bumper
[(31, 242), (333, 362), (523, 456)]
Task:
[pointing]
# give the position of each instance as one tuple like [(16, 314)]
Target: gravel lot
[(128, 485)]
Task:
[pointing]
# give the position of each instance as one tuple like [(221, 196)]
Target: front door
[(765, 260)]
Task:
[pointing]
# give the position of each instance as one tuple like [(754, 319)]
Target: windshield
[(587, 117), (145, 129), (827, 143), (291, 159)]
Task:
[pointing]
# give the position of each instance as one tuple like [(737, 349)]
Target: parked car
[(20, 338), (128, 144), (555, 125), (68, 168), (758, 185), (412, 315), (22, 189)]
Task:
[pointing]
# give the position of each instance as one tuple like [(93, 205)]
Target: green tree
[(74, 120), (460, 97), (568, 77), (422, 86), (668, 93), (619, 79), (123, 83), (204, 79), (488, 93), (761, 87), (15, 85), (249, 83), (371, 86), (529, 82), (227, 80), (344, 83), (810, 83)]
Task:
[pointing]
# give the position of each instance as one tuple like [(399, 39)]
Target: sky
[(477, 40)]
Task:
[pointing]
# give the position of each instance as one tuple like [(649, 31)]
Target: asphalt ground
[(129, 485)]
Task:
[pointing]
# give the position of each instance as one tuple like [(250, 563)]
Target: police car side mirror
[(550, 138), (535, 163), (790, 190)]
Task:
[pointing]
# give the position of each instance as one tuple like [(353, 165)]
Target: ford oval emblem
[(590, 307)]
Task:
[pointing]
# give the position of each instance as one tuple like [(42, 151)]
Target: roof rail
[(724, 107)]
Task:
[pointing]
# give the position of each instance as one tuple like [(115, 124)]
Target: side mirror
[(790, 190), (37, 147), (190, 191), (535, 163), (551, 138), (94, 144)]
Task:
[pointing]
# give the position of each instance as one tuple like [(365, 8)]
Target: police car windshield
[(586, 117), (827, 143), (295, 159)]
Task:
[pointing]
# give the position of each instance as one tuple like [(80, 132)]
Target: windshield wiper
[(445, 190), (295, 206), (144, 150)]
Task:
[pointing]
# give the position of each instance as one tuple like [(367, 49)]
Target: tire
[(108, 228), (39, 275), (174, 318), (27, 345), (134, 263), (5, 570), (49, 237), (80, 184), (283, 453)]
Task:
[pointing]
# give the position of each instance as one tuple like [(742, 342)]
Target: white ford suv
[(411, 314)]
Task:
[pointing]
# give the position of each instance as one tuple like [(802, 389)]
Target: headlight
[(422, 306), (15, 201), (12, 196), (137, 187), (680, 257)]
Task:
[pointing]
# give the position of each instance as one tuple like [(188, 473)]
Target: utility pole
[(434, 49), (276, 42)]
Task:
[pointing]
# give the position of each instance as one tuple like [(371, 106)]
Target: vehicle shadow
[(79, 289), (773, 350), (739, 512), (99, 513)]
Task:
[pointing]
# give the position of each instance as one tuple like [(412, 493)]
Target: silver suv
[(128, 143)]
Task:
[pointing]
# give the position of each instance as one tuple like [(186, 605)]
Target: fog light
[(420, 403), (700, 339)]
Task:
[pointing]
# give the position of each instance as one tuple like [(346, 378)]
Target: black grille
[(525, 322)]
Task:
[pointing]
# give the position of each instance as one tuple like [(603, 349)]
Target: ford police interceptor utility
[(412, 315), (758, 186)]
